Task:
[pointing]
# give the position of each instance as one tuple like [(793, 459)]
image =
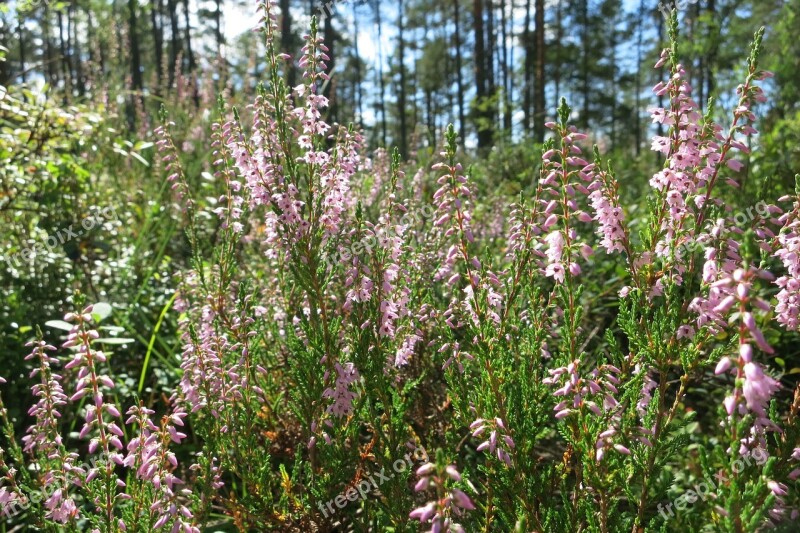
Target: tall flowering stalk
[(100, 418), (788, 251), (154, 464), (12, 496), (57, 467), (568, 175), (450, 504)]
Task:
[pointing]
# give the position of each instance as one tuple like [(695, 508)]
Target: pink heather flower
[(406, 349), (206, 382), (732, 292), (99, 423), (231, 205), (43, 441), (695, 152), (608, 213), (723, 366), (758, 388), (788, 241), (648, 386), (605, 442), (499, 441), (169, 158), (779, 512), (555, 271), (60, 508), (594, 393), (153, 463), (555, 246), (11, 495), (685, 332), (341, 394), (43, 436), (452, 502), (453, 200), (566, 180)]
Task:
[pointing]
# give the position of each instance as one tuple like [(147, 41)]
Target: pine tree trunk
[(401, 93), (381, 79), (218, 26), (358, 79), (539, 86), (459, 75), (483, 114), (527, 69), (50, 59), (63, 59), (190, 54), (506, 77), (330, 86), (21, 30), (79, 74), (490, 47), (136, 64), (557, 66), (70, 55), (175, 43), (638, 89), (712, 54), (133, 41), (158, 43), (585, 63), (286, 39)]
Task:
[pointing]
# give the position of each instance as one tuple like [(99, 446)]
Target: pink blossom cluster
[(605, 202), (44, 441), (451, 503), (499, 442), (231, 205), (169, 158), (43, 436), (341, 393), (788, 307), (100, 424), (207, 382), (394, 298), (595, 393), (566, 176), (757, 388), (406, 349), (11, 495), (721, 260), (152, 461), (696, 151), (452, 199)]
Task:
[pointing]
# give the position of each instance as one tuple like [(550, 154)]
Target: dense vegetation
[(236, 299)]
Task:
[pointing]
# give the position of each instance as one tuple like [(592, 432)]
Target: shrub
[(349, 321)]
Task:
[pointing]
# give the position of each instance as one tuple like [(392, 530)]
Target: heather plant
[(481, 339)]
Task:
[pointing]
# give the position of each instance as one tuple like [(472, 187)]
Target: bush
[(367, 351)]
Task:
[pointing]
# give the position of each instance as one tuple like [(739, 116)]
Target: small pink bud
[(453, 473), (622, 449), (723, 366)]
